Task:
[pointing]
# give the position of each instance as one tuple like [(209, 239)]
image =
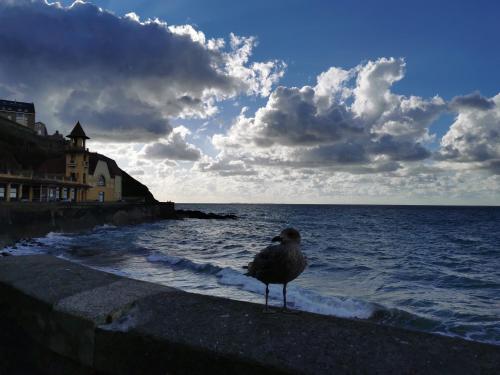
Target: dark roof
[(77, 132), (8, 105), (53, 166), (94, 157)]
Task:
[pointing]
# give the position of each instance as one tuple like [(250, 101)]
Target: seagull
[(279, 264)]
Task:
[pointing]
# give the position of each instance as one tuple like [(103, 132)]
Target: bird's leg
[(284, 296), (267, 294), (285, 308), (266, 309)]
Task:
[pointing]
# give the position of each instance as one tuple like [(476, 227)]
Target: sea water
[(432, 269)]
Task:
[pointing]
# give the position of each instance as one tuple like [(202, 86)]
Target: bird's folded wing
[(270, 256)]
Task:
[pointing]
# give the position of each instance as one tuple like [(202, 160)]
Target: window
[(101, 181), (21, 119), (13, 192), (2, 192), (65, 193), (101, 196)]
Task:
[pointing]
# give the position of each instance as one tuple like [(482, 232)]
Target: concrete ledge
[(76, 320)]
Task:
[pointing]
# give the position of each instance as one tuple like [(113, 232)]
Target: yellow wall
[(112, 189)]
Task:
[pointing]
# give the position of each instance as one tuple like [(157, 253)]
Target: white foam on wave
[(297, 297), (38, 245), (300, 298)]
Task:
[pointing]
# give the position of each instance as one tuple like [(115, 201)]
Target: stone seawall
[(26, 220), (58, 317)]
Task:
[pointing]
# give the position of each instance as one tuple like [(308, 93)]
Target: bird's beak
[(277, 239)]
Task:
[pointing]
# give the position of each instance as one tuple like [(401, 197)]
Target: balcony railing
[(25, 174)]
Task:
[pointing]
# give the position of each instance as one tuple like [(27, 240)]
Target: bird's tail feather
[(247, 267)]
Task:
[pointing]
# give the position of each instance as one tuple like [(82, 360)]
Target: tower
[(77, 160)]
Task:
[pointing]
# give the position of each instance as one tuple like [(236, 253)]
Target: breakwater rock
[(192, 214), (20, 220), (58, 317), (27, 220)]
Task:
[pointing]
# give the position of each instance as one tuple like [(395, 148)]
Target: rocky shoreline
[(22, 221)]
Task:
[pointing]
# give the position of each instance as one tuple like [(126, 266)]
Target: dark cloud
[(119, 76), (123, 118), (399, 149), (293, 119), (173, 148), (472, 101)]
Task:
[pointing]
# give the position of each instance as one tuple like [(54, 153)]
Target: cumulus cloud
[(122, 77), (351, 120), (473, 140), (174, 147)]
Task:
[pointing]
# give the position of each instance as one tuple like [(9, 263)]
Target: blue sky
[(380, 101)]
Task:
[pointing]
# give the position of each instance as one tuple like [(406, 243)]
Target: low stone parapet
[(61, 317)]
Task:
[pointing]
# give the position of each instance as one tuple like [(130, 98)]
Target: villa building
[(74, 175)]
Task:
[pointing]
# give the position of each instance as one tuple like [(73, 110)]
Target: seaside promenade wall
[(58, 317), (20, 220)]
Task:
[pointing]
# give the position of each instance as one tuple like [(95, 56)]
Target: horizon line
[(348, 204)]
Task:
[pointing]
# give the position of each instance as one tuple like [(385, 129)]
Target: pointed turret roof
[(77, 132)]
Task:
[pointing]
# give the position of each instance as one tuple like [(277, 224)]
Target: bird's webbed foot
[(267, 310), (286, 310)]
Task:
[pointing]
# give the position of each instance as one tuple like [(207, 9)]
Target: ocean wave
[(297, 297), (181, 262), (38, 245)]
